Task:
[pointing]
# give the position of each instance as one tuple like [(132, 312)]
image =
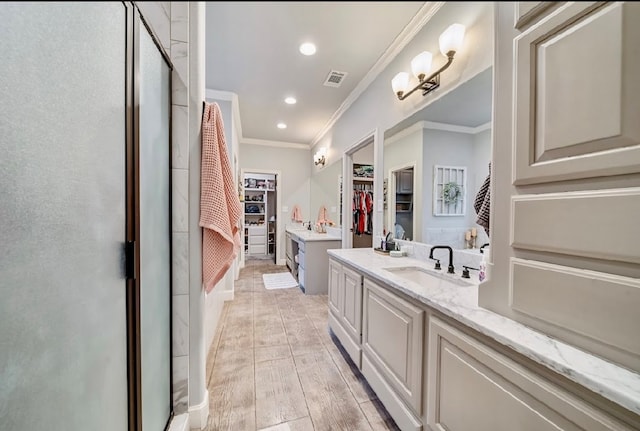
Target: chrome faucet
[(450, 269), (483, 246)]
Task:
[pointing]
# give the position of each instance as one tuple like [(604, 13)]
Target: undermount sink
[(425, 276)]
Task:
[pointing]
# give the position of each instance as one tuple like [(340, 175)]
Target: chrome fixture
[(450, 268), (483, 246), (450, 42)]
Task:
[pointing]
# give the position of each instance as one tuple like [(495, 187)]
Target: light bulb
[(400, 82), (451, 39), (421, 64)]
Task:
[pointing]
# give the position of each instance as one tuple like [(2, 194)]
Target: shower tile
[(180, 325), (179, 200), (180, 76), (180, 21), (180, 384), (180, 137), (180, 263)]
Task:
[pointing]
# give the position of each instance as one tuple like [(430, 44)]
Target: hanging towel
[(296, 214), (322, 216), (482, 203), (220, 207)]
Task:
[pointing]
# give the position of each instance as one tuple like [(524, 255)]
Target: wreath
[(451, 193)]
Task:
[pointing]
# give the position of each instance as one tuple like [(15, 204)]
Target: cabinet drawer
[(497, 392), (257, 230), (257, 240), (258, 249)]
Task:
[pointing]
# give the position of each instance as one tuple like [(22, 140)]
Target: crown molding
[(432, 125), (280, 144), (424, 15)]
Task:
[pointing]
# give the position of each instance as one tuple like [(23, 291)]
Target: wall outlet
[(285, 209)]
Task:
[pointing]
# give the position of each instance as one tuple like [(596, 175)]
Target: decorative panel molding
[(577, 96), (600, 306), (497, 392), (527, 12), (599, 224)]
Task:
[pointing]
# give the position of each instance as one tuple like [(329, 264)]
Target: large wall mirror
[(325, 192), (435, 163)]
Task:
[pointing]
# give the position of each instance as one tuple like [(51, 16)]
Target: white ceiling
[(252, 51)]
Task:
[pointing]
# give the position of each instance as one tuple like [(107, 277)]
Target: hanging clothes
[(362, 207), (220, 207)]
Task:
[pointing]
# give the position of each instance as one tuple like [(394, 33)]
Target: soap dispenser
[(482, 272)]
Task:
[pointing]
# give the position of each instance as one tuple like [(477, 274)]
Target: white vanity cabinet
[(471, 386), (392, 346), (345, 308)]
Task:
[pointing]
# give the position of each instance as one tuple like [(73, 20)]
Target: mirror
[(446, 149), (325, 191)]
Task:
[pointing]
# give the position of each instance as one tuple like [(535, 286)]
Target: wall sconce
[(319, 157), (450, 42)]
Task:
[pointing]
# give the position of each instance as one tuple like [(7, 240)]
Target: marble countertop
[(309, 235), (446, 295)]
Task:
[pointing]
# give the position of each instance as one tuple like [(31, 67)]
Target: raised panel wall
[(577, 94)]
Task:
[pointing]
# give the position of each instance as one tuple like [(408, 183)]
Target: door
[(63, 134), (154, 227)]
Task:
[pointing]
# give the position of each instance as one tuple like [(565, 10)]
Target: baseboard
[(180, 423), (282, 261), (199, 414), (227, 295)]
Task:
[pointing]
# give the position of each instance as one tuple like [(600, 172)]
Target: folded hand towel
[(220, 207), (296, 214), (482, 203)]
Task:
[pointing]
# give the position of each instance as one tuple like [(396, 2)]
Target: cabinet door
[(392, 340), (335, 274), (351, 303), (495, 392), (405, 182)]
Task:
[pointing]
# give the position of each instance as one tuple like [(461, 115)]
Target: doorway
[(401, 217), (361, 203), (260, 226)]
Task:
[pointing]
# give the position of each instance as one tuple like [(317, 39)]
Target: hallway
[(273, 365)]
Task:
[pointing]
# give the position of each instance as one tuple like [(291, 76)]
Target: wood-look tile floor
[(273, 365)]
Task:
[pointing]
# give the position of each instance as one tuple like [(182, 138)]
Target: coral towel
[(220, 207), (322, 216), (296, 214)]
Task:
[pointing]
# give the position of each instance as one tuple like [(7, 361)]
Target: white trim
[(483, 127), (235, 106), (280, 226), (424, 15), (432, 125), (281, 144), (404, 132), (180, 423), (227, 295), (199, 414)]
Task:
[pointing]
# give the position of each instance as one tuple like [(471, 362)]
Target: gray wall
[(293, 181)]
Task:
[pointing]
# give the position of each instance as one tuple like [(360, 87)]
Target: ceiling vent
[(334, 79)]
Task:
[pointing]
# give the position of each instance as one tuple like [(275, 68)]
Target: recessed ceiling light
[(308, 48), (282, 126), (290, 100)]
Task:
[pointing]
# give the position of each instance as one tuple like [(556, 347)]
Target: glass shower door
[(63, 333), (155, 234)]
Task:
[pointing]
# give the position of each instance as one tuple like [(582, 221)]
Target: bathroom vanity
[(307, 258), (438, 361)]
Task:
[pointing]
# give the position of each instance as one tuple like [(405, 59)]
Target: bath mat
[(279, 280)]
